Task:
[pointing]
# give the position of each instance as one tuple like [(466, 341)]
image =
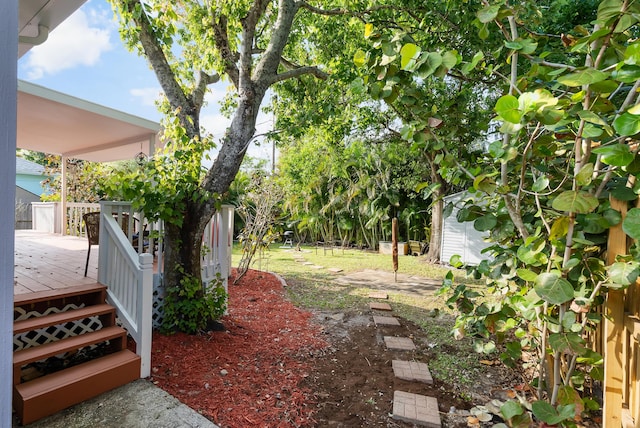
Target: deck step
[(117, 335), (36, 323), (60, 294), (49, 394)]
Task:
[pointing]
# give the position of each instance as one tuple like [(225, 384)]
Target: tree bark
[(251, 73), (437, 208)]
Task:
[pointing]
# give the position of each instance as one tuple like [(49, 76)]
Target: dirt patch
[(354, 381), (275, 365)]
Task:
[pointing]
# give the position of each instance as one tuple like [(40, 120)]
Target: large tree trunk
[(183, 245), (251, 71), (437, 208)]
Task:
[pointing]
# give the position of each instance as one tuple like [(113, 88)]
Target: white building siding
[(461, 238)]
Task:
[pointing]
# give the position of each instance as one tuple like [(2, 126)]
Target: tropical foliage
[(568, 116)]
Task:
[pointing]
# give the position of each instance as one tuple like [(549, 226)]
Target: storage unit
[(461, 238)]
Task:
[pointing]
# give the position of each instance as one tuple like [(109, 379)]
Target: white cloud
[(147, 96), (79, 40), (215, 124)]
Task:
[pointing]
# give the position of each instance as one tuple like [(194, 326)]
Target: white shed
[(461, 238)]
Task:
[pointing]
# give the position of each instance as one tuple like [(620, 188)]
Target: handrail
[(129, 275), (75, 211), (129, 280)]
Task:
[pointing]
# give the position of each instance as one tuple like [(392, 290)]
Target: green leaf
[(540, 184), (609, 9), (591, 131), (526, 274), (631, 223), (623, 273), (632, 54), (604, 87), (430, 63), (553, 289), (488, 13), (585, 175), (559, 228), (486, 222), (408, 55), (359, 58), (526, 46), (591, 117), (575, 201), (484, 184), (583, 77), (571, 343), (622, 192), (483, 32), (479, 56), (456, 261), (615, 155), (450, 59), (508, 108), (627, 74), (532, 254), (612, 217), (511, 409), (627, 124)]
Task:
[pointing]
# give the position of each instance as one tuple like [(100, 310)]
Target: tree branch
[(297, 72), (230, 58), (166, 77), (249, 25), (267, 67), (202, 81)]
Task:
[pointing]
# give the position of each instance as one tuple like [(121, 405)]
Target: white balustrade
[(128, 272)]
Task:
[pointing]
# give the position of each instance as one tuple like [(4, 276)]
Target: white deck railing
[(75, 211), (128, 272), (217, 242), (129, 280)]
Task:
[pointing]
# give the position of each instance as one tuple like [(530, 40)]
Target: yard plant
[(556, 178)]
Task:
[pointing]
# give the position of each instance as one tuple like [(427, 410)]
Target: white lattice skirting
[(52, 333)]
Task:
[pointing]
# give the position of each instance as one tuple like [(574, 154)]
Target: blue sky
[(85, 57)]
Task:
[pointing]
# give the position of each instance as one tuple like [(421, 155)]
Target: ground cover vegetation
[(567, 113), (381, 110)]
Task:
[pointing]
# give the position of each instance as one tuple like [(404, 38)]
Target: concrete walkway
[(139, 404), (382, 280)]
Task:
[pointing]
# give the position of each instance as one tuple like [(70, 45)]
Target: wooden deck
[(47, 261)]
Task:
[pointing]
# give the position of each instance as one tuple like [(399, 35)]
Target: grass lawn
[(316, 289)]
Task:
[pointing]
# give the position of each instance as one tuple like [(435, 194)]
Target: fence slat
[(614, 330)]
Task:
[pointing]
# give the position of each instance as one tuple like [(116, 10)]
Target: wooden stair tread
[(53, 381), (43, 296), (41, 352), (49, 394), (61, 318)]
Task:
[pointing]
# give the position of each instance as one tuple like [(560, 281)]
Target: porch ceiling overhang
[(37, 18), (56, 123)]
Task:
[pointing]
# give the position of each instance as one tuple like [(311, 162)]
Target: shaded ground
[(278, 366)]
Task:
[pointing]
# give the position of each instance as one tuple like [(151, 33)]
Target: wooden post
[(394, 245), (614, 330)]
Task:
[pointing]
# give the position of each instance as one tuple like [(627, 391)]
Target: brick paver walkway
[(416, 409), (379, 306), (411, 370), (386, 320), (399, 343), (378, 295)]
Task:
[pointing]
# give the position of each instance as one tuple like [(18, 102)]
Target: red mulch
[(250, 374)]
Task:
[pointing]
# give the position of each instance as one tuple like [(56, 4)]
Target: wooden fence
[(621, 342)]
